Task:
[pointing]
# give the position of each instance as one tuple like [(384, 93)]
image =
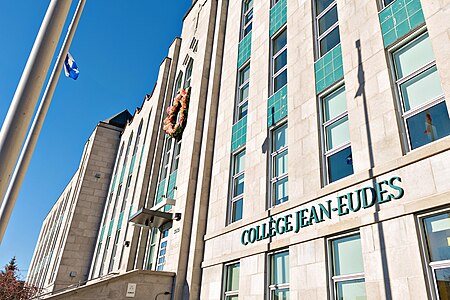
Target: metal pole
[(32, 138), (21, 110)]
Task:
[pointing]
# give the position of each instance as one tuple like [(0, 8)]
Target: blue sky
[(118, 47)]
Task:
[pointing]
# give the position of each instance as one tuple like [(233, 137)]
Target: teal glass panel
[(437, 233), (244, 49), (113, 183), (102, 232), (277, 106), (400, 18), (111, 224), (351, 290), (328, 69), (172, 185), (347, 255), (422, 88), (239, 134), (160, 191), (133, 160), (413, 56), (119, 222), (278, 16)]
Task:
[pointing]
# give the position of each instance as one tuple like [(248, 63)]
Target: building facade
[(313, 164), (63, 253)]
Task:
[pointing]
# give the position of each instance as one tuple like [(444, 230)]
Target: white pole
[(32, 138), (19, 115)]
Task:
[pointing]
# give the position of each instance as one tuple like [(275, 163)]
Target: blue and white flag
[(70, 67)]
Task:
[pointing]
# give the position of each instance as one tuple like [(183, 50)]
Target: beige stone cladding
[(387, 230), (119, 247), (64, 251)]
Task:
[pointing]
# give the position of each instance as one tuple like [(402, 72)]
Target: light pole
[(29, 88)]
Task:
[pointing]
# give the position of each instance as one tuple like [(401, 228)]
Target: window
[(178, 84), (274, 2), (279, 276), (116, 201), (421, 97), (279, 61), (242, 93), (162, 249), (437, 236), (347, 268), (138, 137), (187, 79), (247, 17), (237, 186), (152, 243), (279, 165), (176, 156), (127, 191), (114, 250), (232, 281), (102, 265), (336, 136), (327, 26)]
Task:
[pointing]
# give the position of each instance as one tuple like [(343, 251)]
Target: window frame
[(271, 288), (272, 156), (234, 176), (430, 266), (244, 17), (323, 133), (400, 102), (232, 293), (319, 37), (274, 56), (188, 75), (240, 87), (333, 280)]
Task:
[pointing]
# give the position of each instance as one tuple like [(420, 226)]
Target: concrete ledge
[(149, 284)]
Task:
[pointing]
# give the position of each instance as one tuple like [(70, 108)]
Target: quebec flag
[(70, 67)]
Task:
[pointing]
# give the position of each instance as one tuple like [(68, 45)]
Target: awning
[(151, 218)]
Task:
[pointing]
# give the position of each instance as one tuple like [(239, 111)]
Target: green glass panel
[(338, 133), (421, 89), (335, 104), (347, 255), (351, 290), (413, 56)]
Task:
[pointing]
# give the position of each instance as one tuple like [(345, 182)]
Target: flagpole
[(33, 135)]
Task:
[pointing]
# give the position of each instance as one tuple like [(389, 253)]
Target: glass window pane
[(280, 61), (232, 298), (422, 88), (340, 164), (239, 162), (280, 294), (322, 4), (281, 191), (237, 210), (232, 277), (438, 236), (244, 75), (280, 81), (248, 5), (428, 126), (443, 283), (243, 109), (334, 104), (248, 29), (347, 255), (279, 42), (387, 2), (413, 56), (338, 133), (329, 41), (281, 163), (238, 185), (328, 19), (244, 93), (351, 290), (280, 268), (280, 137)]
